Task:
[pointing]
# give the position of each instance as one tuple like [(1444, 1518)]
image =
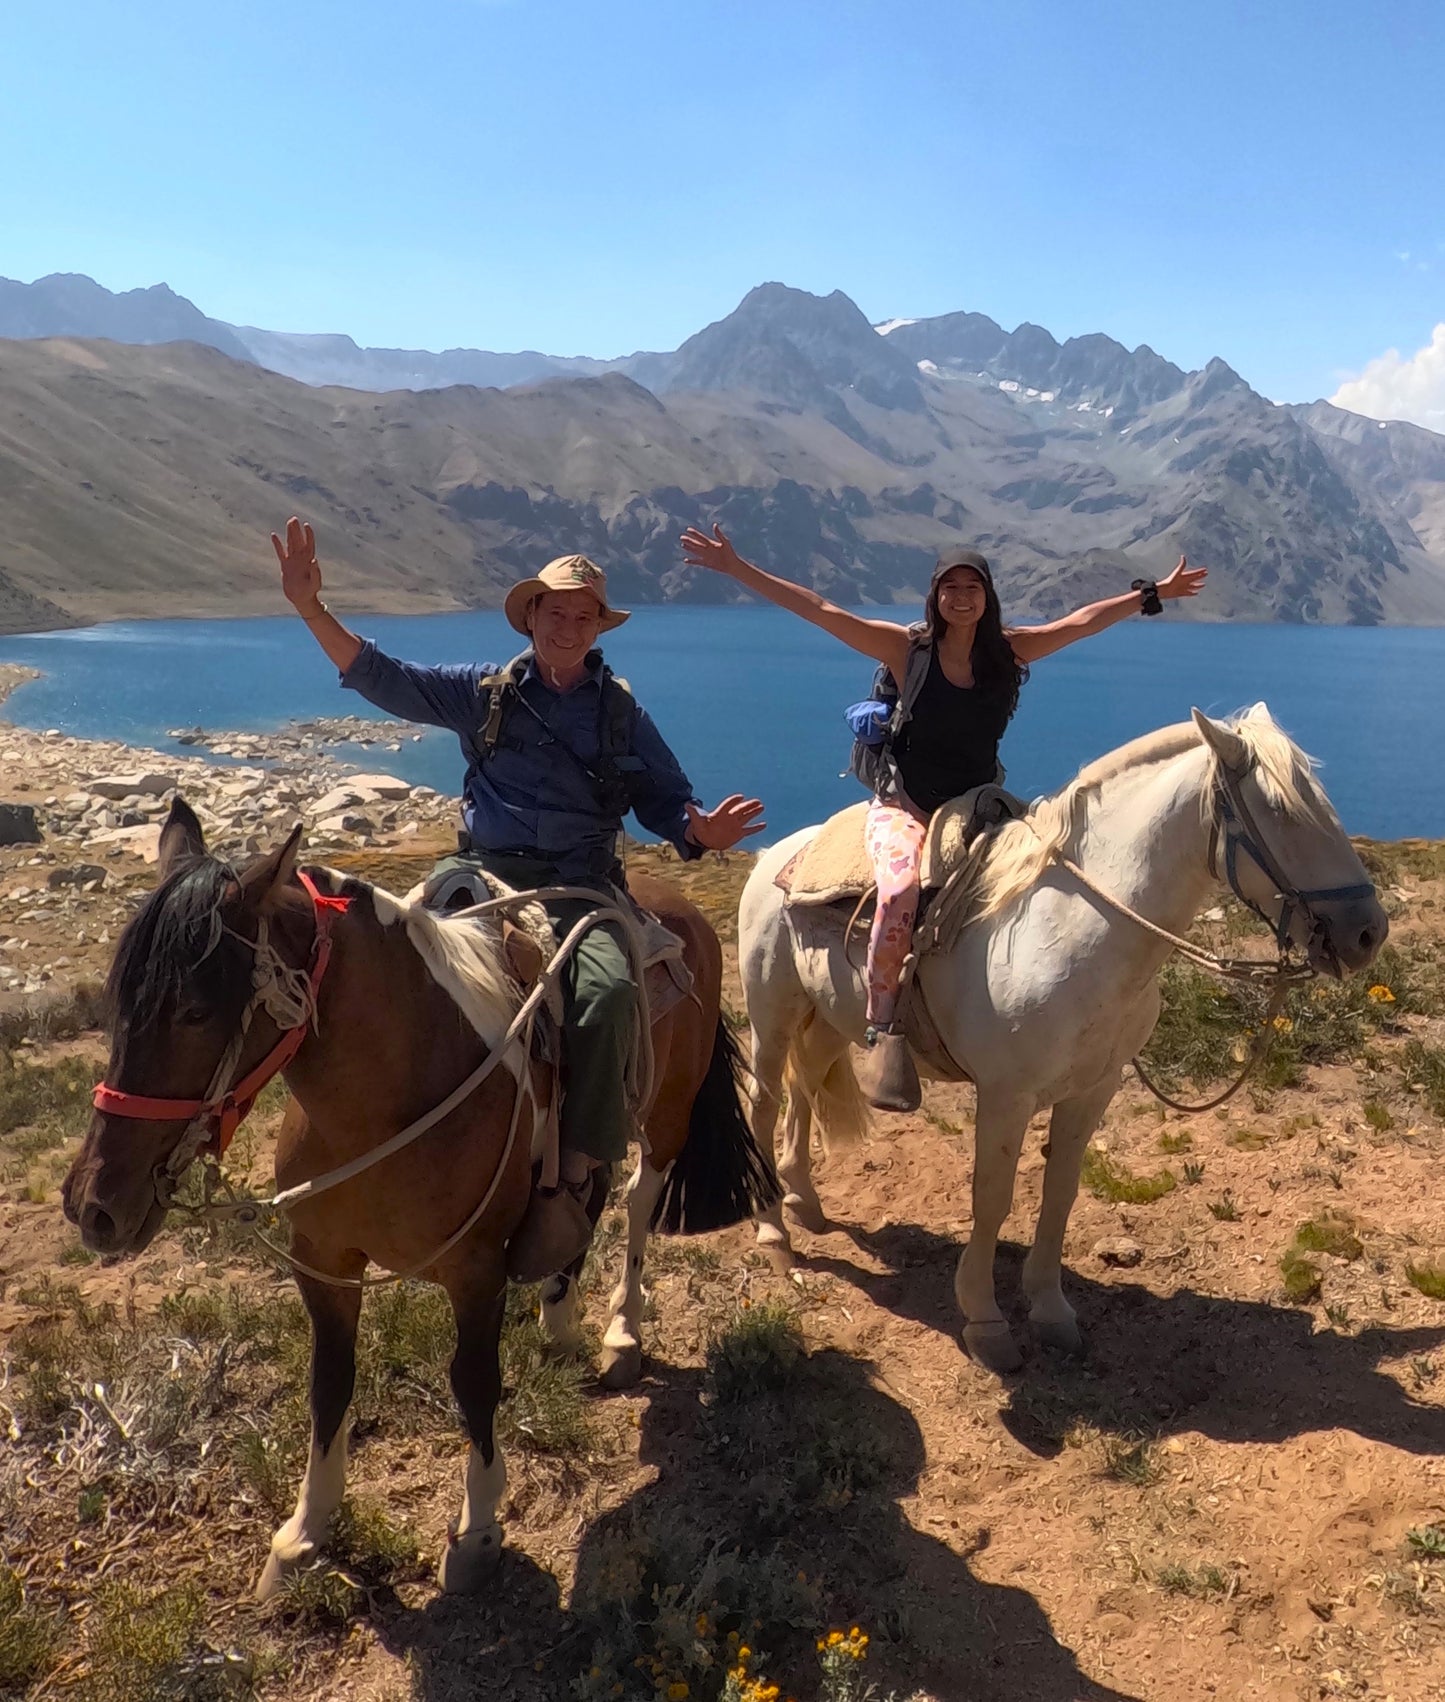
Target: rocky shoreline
[(80, 823)]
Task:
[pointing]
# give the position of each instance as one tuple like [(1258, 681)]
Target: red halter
[(227, 1112)]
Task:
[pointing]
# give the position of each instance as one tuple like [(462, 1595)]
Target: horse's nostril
[(97, 1227)]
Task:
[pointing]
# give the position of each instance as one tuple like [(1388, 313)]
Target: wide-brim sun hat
[(566, 573)]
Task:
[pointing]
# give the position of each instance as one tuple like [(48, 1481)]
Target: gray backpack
[(878, 720)]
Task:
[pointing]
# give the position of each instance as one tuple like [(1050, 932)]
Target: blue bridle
[(1236, 826)]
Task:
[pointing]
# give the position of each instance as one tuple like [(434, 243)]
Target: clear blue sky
[(1226, 178)]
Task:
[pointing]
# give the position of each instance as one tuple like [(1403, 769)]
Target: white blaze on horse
[(382, 1015), (1050, 990)]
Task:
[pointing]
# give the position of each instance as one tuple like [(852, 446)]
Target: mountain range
[(146, 450)]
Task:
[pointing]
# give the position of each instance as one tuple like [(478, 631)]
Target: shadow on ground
[(1236, 1370), (776, 1515)]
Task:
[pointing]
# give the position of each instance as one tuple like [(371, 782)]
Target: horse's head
[(186, 1024), (1279, 845)]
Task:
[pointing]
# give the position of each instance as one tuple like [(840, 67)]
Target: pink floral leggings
[(894, 837)]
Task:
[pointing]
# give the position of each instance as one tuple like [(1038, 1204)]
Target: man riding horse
[(557, 753)]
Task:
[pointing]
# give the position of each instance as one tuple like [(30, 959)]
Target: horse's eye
[(194, 1016)]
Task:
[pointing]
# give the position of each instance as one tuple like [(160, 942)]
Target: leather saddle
[(833, 869)]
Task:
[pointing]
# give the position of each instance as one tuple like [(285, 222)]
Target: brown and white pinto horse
[(396, 1010)]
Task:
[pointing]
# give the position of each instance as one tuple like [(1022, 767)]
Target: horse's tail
[(832, 1093), (720, 1177)]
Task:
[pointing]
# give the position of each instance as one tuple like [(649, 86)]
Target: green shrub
[(1107, 1179), (1429, 1279), (27, 1636), (755, 1353)]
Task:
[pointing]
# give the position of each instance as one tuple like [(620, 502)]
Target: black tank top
[(950, 743)]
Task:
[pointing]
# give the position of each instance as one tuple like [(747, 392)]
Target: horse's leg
[(769, 1055), (561, 1310), (778, 1006), (477, 1293), (999, 1126), (1073, 1121), (334, 1313), (621, 1362), (818, 1048)]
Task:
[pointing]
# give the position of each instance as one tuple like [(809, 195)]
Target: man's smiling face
[(564, 627)]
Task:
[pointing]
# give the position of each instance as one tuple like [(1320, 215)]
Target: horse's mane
[(463, 957), (1021, 850), (174, 948), (177, 948)]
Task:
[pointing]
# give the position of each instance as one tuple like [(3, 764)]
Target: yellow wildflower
[(678, 1691), (1284, 1025), (1382, 995), (703, 1625)]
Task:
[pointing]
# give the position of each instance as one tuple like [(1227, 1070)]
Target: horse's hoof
[(620, 1367), (470, 1561), (993, 1346), (809, 1213), (1065, 1338), (776, 1249), (280, 1565), (562, 1344)]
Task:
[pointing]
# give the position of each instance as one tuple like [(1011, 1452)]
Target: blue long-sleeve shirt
[(528, 796)]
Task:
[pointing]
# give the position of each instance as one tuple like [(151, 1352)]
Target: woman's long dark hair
[(996, 669)]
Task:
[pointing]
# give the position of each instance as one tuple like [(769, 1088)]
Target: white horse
[(1050, 990)]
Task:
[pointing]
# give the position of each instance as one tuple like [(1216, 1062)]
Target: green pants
[(599, 1006)]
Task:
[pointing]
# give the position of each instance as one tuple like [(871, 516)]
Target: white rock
[(125, 785), (380, 786), (338, 798), (144, 841)]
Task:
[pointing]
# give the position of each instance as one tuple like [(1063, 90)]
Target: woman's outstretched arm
[(1032, 642), (884, 641)]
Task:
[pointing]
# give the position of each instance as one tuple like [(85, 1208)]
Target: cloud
[(1396, 387)]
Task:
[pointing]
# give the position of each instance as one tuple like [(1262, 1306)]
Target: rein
[(1234, 823), (247, 1211), (1235, 828), (290, 999)]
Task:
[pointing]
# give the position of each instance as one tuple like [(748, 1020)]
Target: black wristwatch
[(1149, 603)]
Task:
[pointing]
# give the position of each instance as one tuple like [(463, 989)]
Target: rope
[(1231, 968), (1280, 975), (247, 1211), (524, 1092), (1258, 1050)]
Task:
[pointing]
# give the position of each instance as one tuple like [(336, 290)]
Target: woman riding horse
[(965, 669), (557, 753)]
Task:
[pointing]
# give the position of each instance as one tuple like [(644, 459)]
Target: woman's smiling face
[(961, 597)]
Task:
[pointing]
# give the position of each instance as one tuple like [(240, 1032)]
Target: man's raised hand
[(300, 571)]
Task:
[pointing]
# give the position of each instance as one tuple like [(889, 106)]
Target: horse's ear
[(262, 880), (1223, 741), (182, 840)]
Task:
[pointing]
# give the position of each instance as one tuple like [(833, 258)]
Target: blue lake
[(751, 700)]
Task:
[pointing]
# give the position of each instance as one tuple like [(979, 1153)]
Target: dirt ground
[(1217, 1502)]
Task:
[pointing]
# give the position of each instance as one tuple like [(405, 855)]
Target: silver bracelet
[(321, 609)]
